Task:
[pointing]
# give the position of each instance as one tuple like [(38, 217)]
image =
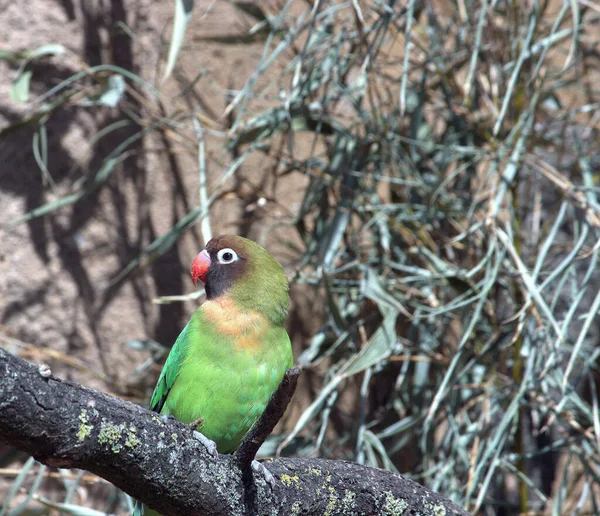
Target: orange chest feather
[(247, 328)]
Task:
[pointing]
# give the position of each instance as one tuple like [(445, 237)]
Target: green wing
[(170, 371)]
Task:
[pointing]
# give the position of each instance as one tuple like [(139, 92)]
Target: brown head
[(241, 269)]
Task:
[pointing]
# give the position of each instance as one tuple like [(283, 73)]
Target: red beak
[(200, 267)]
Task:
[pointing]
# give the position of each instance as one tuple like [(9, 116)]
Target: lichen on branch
[(64, 424)]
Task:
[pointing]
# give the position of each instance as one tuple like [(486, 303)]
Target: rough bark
[(63, 424)]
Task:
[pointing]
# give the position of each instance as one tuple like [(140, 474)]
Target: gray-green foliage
[(450, 221)]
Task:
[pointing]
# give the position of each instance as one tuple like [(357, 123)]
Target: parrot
[(234, 351)]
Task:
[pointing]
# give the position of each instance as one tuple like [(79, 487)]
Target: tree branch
[(63, 424)]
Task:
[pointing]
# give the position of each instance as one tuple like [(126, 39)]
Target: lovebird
[(233, 353)]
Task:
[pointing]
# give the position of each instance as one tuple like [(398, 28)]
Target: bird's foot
[(164, 418), (260, 469), (197, 423), (211, 446)]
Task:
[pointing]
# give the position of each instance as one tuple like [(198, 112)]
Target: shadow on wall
[(124, 198)]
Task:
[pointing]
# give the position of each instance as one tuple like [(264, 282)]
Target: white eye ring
[(226, 256)]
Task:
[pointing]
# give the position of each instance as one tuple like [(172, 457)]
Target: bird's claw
[(197, 423), (260, 469), (211, 446)]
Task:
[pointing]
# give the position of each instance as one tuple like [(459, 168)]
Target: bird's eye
[(226, 256)]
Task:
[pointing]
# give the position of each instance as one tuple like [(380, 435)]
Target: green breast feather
[(208, 375)]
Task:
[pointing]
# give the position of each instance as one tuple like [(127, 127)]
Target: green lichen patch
[(325, 485), (296, 508), (349, 501), (85, 429), (394, 506), (314, 471), (435, 509), (332, 502), (288, 480), (116, 437), (111, 434), (131, 439)]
